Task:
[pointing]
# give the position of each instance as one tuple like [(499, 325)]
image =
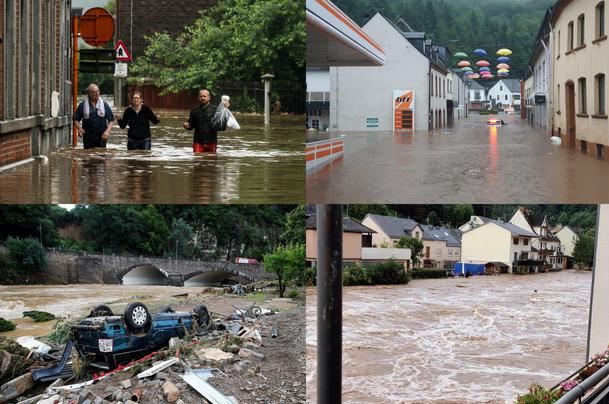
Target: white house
[(546, 244), (498, 243), (568, 237), (477, 96), (458, 97), (505, 94), (380, 98), (389, 230), (474, 221), (318, 98), (540, 65)]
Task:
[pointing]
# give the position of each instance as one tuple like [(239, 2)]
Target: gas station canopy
[(333, 39)]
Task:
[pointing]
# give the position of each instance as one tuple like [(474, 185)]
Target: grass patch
[(39, 316), (6, 325), (61, 331), (258, 297)]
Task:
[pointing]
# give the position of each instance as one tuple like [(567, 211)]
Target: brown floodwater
[(76, 300), (469, 163), (475, 340), (256, 164)]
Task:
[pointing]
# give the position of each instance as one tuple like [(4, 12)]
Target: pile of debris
[(230, 350)]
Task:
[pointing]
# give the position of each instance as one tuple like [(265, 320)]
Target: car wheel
[(137, 316), (100, 311), (202, 314)]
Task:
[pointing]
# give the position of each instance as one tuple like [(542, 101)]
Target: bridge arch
[(215, 277), (143, 274)]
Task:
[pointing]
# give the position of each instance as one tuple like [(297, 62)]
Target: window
[(515, 240), (558, 44), (417, 234), (315, 124), (581, 82), (498, 97), (600, 20), (570, 36), (450, 253), (599, 90), (438, 253), (525, 241), (500, 88), (580, 30), (558, 99), (506, 97), (477, 95)]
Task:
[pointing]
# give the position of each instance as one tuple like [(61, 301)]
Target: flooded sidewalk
[(469, 163), (256, 164), (483, 339)]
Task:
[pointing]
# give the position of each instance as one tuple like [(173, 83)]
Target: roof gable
[(394, 227)]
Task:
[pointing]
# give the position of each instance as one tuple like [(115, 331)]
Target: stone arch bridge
[(72, 267)]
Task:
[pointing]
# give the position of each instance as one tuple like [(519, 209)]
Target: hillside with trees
[(490, 25)]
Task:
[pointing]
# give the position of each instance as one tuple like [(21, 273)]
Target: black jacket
[(139, 123), (200, 121)]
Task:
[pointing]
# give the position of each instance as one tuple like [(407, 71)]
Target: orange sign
[(403, 110), (97, 26)]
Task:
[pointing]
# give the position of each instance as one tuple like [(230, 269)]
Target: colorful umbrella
[(504, 52), (460, 55), (480, 52), (484, 69), (482, 63), (503, 71), (503, 59), (463, 63), (475, 76), (503, 74), (467, 69), (503, 66)]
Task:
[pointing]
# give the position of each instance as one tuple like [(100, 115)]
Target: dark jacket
[(200, 121), (139, 123), (96, 124)]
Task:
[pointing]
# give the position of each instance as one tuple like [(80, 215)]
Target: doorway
[(570, 117)]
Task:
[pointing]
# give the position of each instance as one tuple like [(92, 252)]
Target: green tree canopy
[(236, 40), (416, 248), (27, 255), (288, 263), (583, 253)]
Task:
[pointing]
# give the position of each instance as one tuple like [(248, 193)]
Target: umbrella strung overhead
[(504, 52)]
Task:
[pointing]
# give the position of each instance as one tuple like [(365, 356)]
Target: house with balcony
[(477, 96), (568, 236), (505, 95), (546, 245), (499, 244)]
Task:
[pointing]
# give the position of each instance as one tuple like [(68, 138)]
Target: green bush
[(356, 274), (426, 273), (293, 294), (6, 325), (311, 276), (538, 395), (388, 273), (39, 316)]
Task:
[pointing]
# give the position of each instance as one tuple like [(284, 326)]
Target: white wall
[(501, 90), (568, 238), (318, 80), (488, 242), (358, 93)]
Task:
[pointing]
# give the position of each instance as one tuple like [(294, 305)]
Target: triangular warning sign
[(122, 54)]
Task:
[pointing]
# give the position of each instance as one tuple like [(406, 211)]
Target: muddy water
[(253, 165), (75, 300), (476, 340), (470, 163)]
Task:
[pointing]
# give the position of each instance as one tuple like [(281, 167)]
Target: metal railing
[(576, 393)]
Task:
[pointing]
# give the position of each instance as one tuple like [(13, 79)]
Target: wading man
[(97, 119), (205, 139)]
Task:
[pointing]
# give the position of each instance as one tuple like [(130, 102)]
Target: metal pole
[(267, 97), (329, 303), (75, 21)]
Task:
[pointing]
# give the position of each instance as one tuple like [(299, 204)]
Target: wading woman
[(138, 117)]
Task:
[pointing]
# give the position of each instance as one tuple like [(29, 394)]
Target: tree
[(416, 248), (433, 219), (236, 40), (288, 263), (27, 255), (583, 253), (294, 232), (181, 237)]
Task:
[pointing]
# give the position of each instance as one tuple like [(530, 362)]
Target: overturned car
[(108, 340)]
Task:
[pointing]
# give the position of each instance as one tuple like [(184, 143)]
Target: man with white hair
[(97, 119)]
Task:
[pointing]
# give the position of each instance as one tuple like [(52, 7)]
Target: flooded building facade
[(580, 59), (538, 99), (403, 79), (35, 99)]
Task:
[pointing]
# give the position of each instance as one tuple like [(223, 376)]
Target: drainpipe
[(329, 303)]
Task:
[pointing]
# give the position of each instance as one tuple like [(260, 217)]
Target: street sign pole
[(75, 20)]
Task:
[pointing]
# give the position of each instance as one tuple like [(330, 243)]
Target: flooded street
[(253, 165), (74, 301), (476, 340), (470, 163)]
